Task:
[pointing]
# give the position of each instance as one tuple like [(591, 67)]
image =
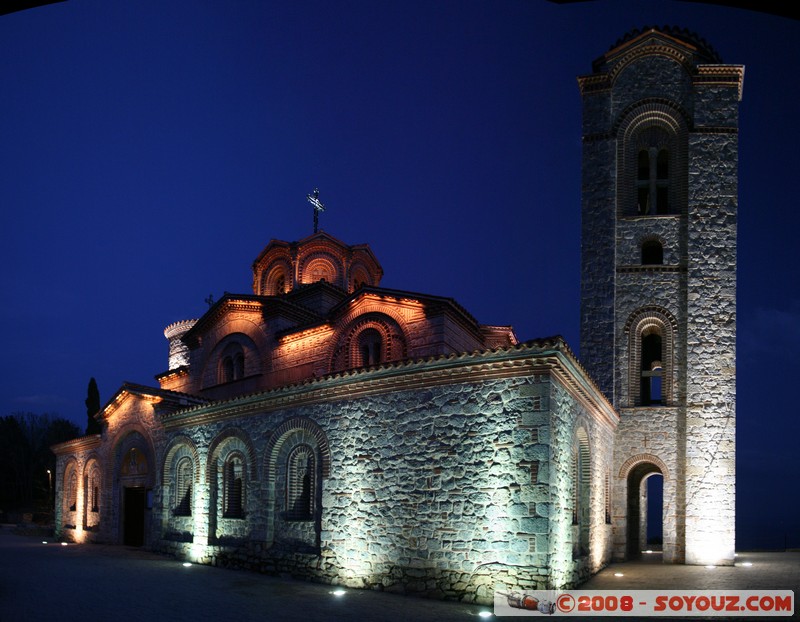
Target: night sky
[(149, 150)]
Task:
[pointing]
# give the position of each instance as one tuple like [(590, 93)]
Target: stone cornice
[(82, 443), (720, 75), (594, 83), (551, 357)]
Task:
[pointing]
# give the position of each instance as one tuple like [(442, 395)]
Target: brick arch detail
[(218, 444), (250, 349), (72, 462), (392, 335), (632, 122), (280, 435), (93, 455), (72, 465), (279, 266), (336, 265), (123, 444), (638, 322), (655, 49), (360, 272), (173, 447), (638, 459)]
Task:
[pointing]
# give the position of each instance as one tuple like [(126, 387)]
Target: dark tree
[(92, 408), (25, 457)]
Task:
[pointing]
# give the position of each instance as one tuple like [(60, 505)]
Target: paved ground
[(51, 582)]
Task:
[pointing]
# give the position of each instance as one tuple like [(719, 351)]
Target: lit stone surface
[(653, 81)]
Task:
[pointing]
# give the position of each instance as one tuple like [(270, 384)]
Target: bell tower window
[(652, 182), (652, 369)]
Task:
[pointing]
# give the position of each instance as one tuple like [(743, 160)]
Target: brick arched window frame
[(184, 480), (652, 149), (581, 493), (231, 363), (359, 277), (71, 497), (318, 268), (233, 486), (376, 335), (301, 482), (651, 335)]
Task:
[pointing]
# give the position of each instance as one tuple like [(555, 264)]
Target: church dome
[(284, 266)]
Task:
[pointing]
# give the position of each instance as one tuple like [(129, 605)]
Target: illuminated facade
[(327, 427), (658, 322)]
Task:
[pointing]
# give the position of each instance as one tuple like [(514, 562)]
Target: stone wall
[(447, 491)]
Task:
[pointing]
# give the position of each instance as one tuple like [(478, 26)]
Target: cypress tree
[(92, 407)]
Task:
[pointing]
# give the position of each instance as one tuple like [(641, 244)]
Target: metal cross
[(210, 300), (313, 198)]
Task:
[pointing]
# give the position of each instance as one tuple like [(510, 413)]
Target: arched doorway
[(645, 508), (133, 482)]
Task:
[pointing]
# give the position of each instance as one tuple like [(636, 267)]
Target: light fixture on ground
[(485, 614), (338, 592), (618, 574)]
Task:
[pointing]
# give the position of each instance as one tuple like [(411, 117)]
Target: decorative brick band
[(638, 459), (224, 437)]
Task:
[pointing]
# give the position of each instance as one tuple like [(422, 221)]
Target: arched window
[(650, 392), (184, 475), (280, 285), (72, 491), (652, 182), (370, 347), (231, 365), (652, 143), (320, 269), (651, 337), (581, 477), (301, 467), (92, 488), (233, 486), (652, 253)]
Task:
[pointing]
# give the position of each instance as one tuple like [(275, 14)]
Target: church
[(329, 428)]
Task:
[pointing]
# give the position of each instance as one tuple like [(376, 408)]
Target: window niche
[(233, 487), (370, 347), (301, 475), (651, 389), (184, 474), (652, 253), (653, 172), (231, 364)]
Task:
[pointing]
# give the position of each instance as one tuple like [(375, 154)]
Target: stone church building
[(327, 427)]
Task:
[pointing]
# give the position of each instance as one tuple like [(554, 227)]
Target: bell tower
[(658, 283)]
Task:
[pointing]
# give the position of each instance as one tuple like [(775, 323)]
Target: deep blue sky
[(149, 150)]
